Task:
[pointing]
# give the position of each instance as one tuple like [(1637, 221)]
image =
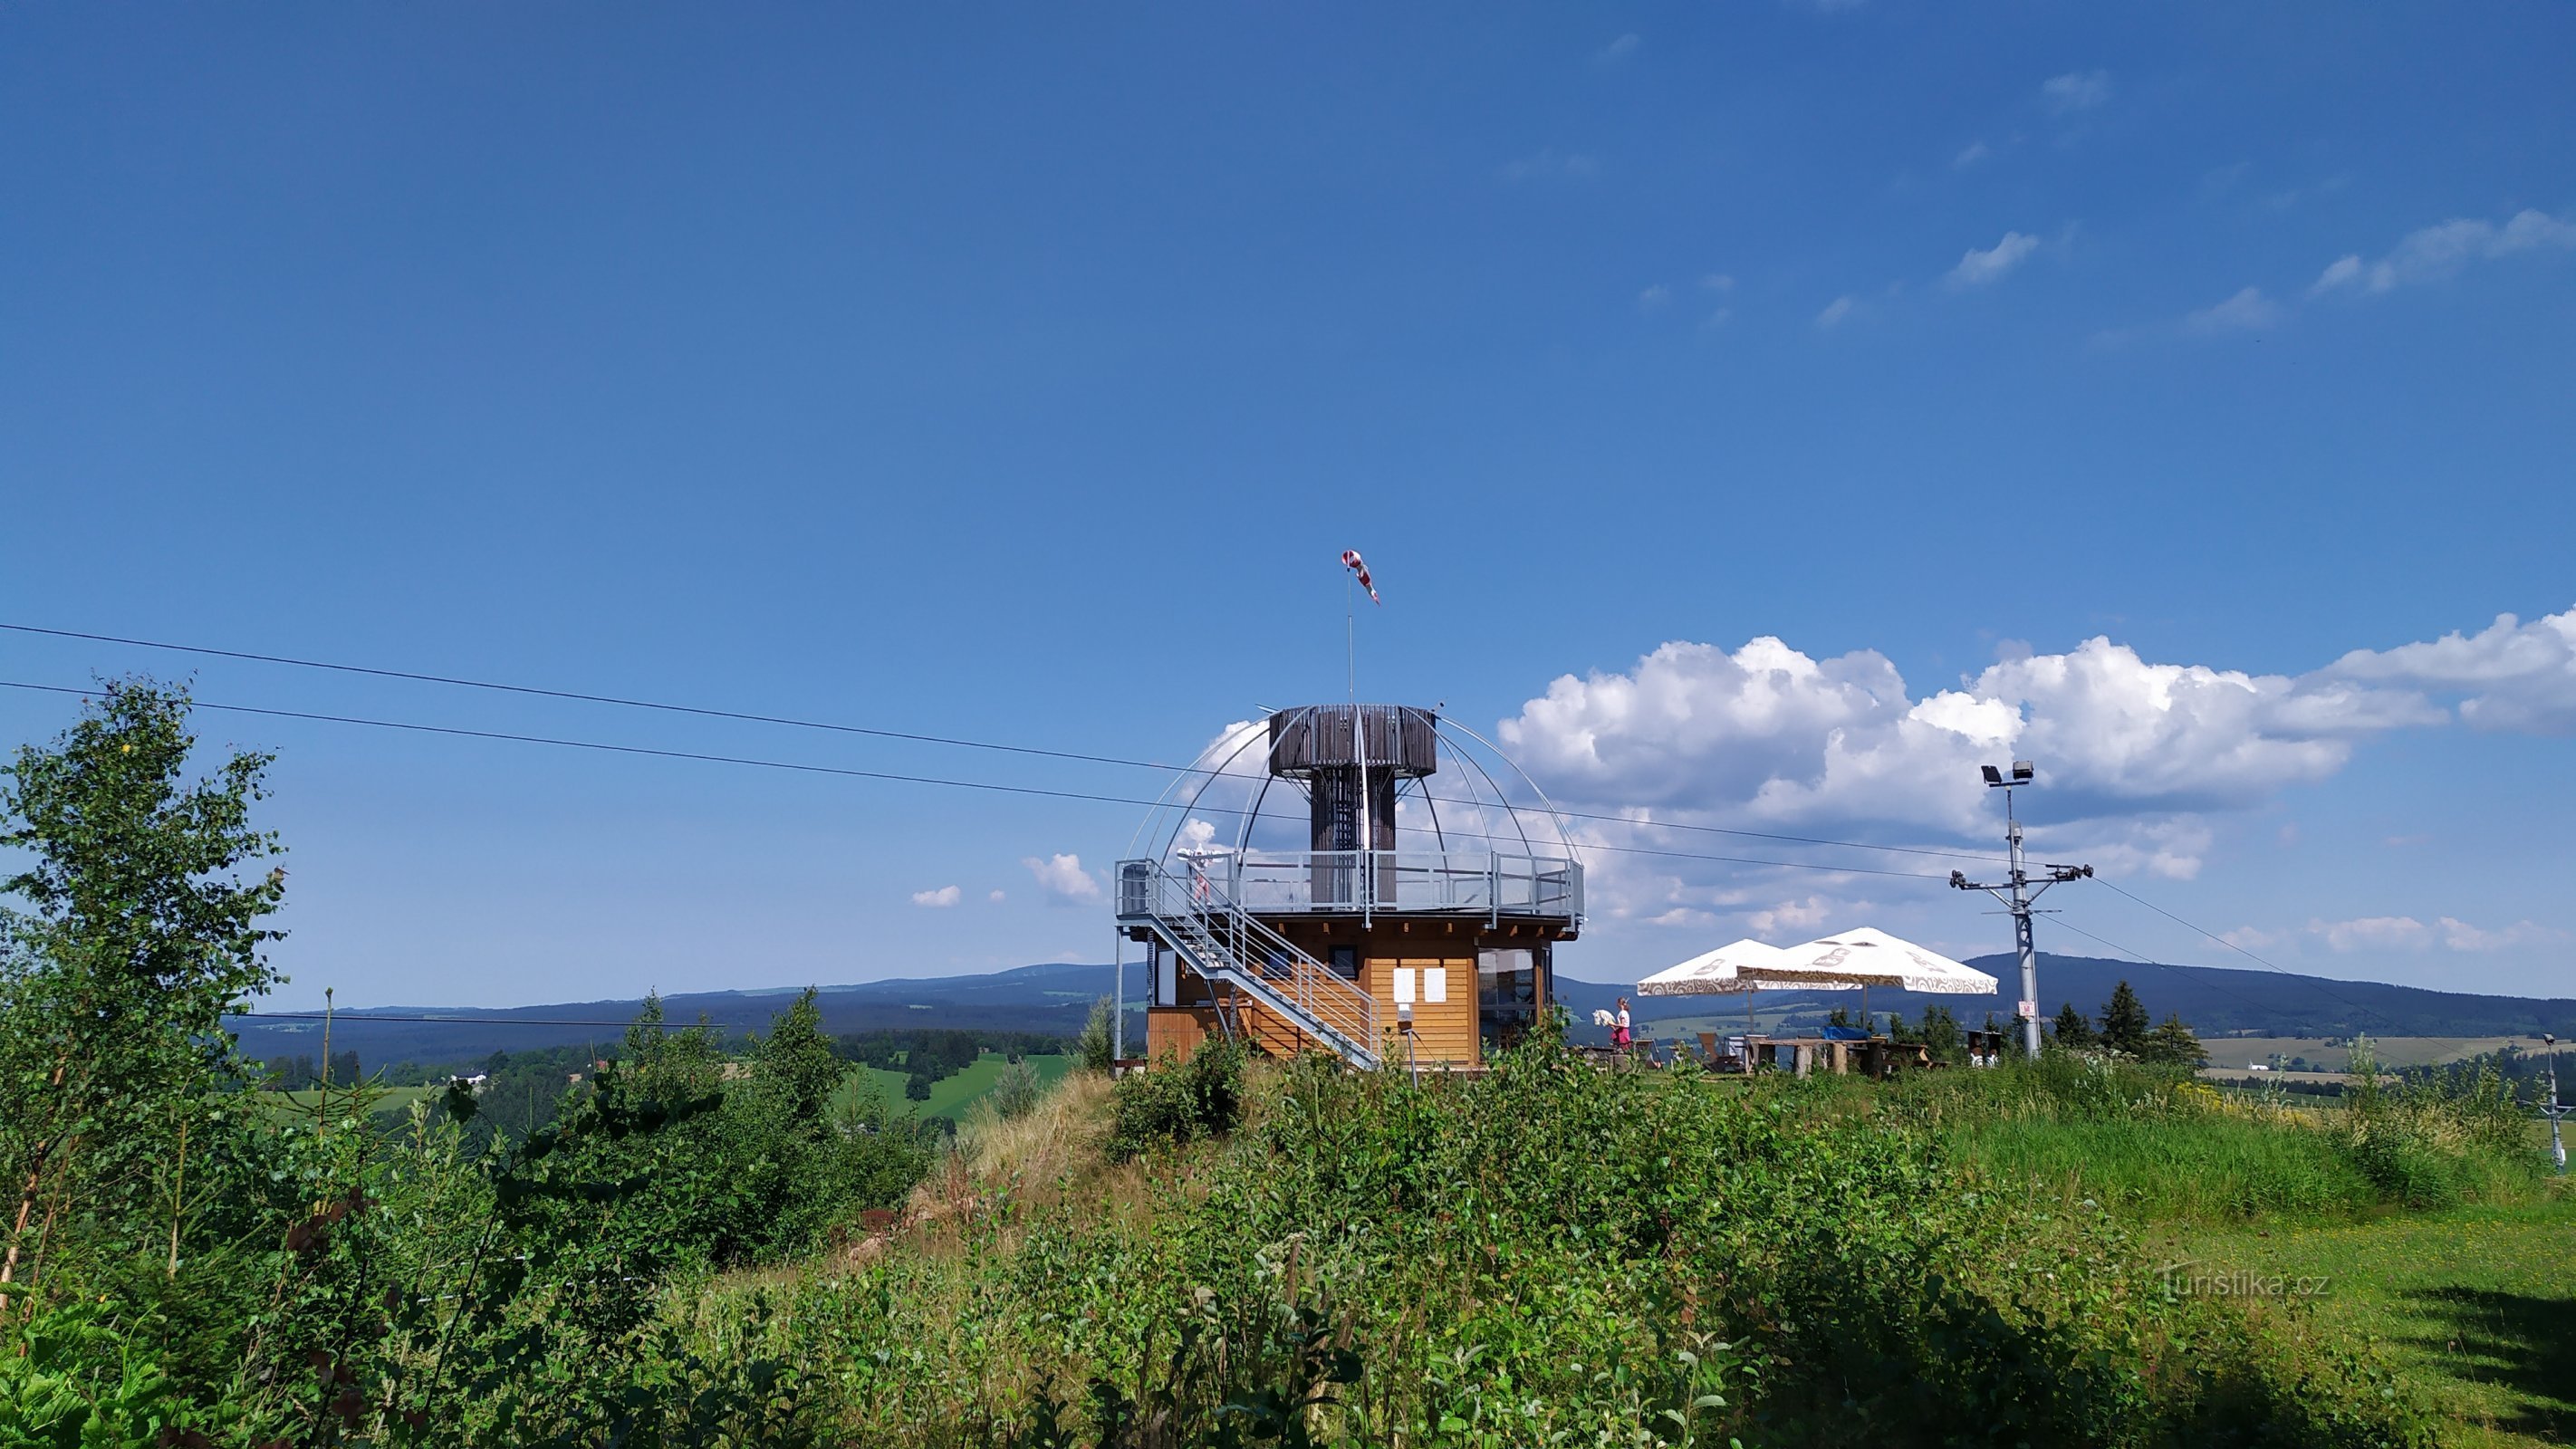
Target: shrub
[(1015, 1091), (1098, 1047), (1178, 1101)]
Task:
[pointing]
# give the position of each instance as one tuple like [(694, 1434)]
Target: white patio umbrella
[(1871, 957), (1736, 967)]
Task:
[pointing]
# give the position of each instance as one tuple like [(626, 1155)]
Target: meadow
[(721, 1241), (951, 1097)]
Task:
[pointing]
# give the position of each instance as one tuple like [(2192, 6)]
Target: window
[(1509, 990), (1345, 962)]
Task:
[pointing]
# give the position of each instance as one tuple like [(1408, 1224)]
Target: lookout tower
[(1402, 915)]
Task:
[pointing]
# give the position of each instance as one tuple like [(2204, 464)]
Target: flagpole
[(1350, 639)]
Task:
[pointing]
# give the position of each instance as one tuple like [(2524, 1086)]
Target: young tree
[(2174, 1043), (2124, 1021), (796, 1063), (1941, 1034), (2071, 1029), (138, 935), (1016, 1091), (1099, 1043)]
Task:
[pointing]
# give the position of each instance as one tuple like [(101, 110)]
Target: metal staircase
[(1198, 920)]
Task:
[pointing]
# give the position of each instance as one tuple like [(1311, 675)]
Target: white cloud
[(1838, 311), (1654, 297), (939, 899), (1718, 282), (2077, 90), (1063, 879), (2435, 253), (2512, 675), (997, 897), (2136, 758), (1718, 318), (2459, 935), (2405, 933), (1801, 918), (1550, 164), (1768, 735), (1978, 268), (1974, 152), (2248, 311), (2374, 933), (1618, 50)]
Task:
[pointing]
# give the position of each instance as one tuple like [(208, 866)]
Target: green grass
[(2477, 1306), (2210, 1169), (390, 1099), (949, 1096)]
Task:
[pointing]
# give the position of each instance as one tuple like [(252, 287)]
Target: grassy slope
[(393, 1099), (2477, 1305), (951, 1096)]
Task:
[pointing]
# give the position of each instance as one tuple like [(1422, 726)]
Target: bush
[(1547, 1254), (1015, 1091), (1098, 1047), (1177, 1102)]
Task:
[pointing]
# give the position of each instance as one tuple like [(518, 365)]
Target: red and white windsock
[(1351, 560)]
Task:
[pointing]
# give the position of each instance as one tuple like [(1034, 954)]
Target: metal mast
[(2557, 1149), (2018, 895)]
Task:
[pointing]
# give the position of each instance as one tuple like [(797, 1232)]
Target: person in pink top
[(1619, 1026)]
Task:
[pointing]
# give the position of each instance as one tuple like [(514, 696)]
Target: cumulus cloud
[(1838, 311), (2248, 311), (2512, 675), (1978, 268), (940, 899), (2077, 90), (2439, 252), (1063, 879), (1654, 297), (2405, 933), (997, 897), (2139, 758), (1768, 736), (1618, 50), (1970, 155), (1805, 917)]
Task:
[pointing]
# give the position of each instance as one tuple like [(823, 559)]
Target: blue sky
[(1020, 375)]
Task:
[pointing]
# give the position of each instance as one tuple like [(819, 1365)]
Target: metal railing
[(1204, 925), (1360, 882)]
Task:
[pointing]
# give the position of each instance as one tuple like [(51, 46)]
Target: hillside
[(2215, 1000), (1054, 998)]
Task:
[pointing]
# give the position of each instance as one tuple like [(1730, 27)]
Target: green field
[(388, 1099), (2477, 1304), (2236, 1053), (949, 1096)]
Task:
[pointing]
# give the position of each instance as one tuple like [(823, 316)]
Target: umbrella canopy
[(1871, 957), (1746, 965)]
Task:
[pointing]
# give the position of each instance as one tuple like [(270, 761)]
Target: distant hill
[(1053, 998), (1056, 997), (2215, 1000)]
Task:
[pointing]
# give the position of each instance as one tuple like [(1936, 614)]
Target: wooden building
[(1380, 935)]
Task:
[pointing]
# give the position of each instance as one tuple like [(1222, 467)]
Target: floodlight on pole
[(2018, 893)]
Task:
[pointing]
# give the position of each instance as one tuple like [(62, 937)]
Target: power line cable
[(959, 742), (461, 732), (2319, 982), (2174, 967)]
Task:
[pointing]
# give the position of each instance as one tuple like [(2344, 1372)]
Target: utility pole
[(2557, 1149), (2018, 894)]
